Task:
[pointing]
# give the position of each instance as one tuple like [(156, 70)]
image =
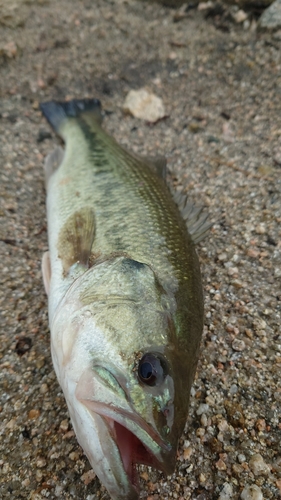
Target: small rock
[(258, 465), (240, 16), (203, 408), (227, 132), (144, 105), (205, 5), (9, 50), (43, 134), (251, 492), (251, 252), (44, 389), (261, 424), (260, 229), (33, 414), (223, 425), (238, 345), (41, 462), (220, 465), (194, 127), (187, 453), (88, 477), (64, 425), (12, 14), (241, 458), (277, 272), (235, 413), (23, 345), (226, 493), (270, 19), (265, 170), (233, 271)]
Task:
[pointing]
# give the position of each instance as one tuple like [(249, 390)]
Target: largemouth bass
[(125, 298)]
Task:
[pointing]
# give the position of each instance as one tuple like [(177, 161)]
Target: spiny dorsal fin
[(196, 219), (76, 238)]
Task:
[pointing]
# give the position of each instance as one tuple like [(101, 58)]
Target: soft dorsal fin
[(196, 219), (158, 164)]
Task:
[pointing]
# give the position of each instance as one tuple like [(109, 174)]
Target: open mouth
[(132, 451), (135, 439)]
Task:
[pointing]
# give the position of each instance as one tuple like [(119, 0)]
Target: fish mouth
[(132, 451), (138, 442)]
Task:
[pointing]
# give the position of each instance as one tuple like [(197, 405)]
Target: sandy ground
[(220, 84)]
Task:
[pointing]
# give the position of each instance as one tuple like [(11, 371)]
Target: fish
[(125, 301)]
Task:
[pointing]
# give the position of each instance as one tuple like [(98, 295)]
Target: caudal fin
[(56, 112)]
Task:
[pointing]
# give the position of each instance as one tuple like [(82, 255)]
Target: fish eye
[(152, 369)]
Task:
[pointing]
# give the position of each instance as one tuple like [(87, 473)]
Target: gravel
[(220, 83)]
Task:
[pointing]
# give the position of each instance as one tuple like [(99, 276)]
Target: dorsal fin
[(158, 164), (196, 219)]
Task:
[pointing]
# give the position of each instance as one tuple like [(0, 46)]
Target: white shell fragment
[(144, 105)]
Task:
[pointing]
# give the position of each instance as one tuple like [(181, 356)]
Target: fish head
[(125, 379)]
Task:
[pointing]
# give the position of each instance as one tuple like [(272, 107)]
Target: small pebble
[(220, 465), (260, 229), (41, 462), (145, 105), (241, 458), (187, 453), (33, 414), (203, 408), (251, 492), (238, 345), (226, 493), (258, 465), (64, 425), (88, 477), (240, 16)]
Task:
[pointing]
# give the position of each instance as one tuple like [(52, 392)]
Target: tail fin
[(56, 112)]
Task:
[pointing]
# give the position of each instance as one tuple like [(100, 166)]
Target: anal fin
[(76, 239)]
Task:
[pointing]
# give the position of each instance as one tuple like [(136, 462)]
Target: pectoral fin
[(76, 239), (46, 271), (52, 162)]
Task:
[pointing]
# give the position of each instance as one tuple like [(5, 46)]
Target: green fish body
[(125, 298)]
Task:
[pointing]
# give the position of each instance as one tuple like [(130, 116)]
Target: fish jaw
[(92, 432), (125, 438)]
